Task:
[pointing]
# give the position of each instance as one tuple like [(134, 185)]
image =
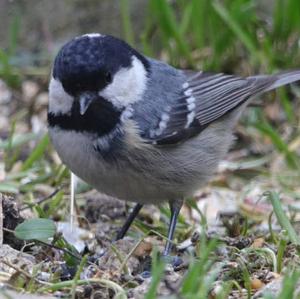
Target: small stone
[(30, 89), (177, 261), (146, 274), (5, 93), (256, 284)]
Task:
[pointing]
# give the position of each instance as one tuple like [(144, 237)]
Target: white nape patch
[(91, 35), (59, 101), (128, 85)]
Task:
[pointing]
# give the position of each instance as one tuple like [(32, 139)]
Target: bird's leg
[(129, 220), (175, 207)]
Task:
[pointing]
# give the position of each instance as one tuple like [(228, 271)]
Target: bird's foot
[(174, 261)]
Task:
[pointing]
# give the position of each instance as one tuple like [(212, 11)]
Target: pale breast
[(119, 178), (144, 173)]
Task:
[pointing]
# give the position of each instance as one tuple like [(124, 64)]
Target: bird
[(138, 129)]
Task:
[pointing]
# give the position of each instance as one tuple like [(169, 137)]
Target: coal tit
[(140, 130)]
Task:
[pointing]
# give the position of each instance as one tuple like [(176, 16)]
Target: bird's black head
[(89, 62), (95, 77)]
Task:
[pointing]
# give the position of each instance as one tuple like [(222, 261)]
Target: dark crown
[(90, 62)]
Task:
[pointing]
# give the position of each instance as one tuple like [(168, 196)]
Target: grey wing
[(204, 98)]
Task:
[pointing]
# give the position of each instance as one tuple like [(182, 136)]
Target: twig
[(51, 245), (125, 260), (121, 258), (61, 249), (9, 264), (26, 274), (7, 230), (30, 205)]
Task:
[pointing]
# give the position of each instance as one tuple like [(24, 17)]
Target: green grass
[(187, 30), (233, 36), (7, 70)]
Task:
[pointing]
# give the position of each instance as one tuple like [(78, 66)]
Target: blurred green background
[(243, 37)]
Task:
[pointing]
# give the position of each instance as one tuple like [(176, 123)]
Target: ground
[(237, 238), (228, 230)]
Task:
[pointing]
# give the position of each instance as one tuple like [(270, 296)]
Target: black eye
[(108, 77)]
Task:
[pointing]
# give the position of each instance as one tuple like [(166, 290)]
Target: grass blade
[(126, 21), (278, 142), (243, 36), (157, 272), (282, 218), (37, 153), (168, 24), (289, 285)]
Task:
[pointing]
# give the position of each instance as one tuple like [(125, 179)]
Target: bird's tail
[(279, 79)]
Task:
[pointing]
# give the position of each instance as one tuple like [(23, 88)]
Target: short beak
[(85, 100)]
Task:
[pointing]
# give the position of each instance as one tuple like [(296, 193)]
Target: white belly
[(76, 151), (146, 175)]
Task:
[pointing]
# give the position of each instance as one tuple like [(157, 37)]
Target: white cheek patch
[(59, 101), (128, 85)]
